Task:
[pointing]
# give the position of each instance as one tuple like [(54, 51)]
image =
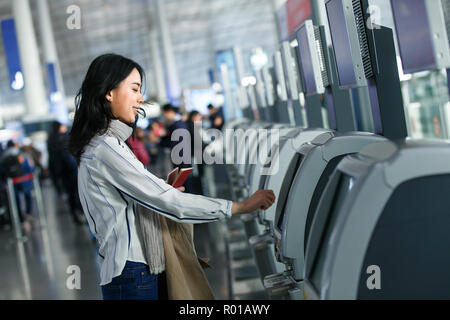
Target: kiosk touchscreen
[(312, 59), (343, 30), (421, 22), (381, 227), (284, 157), (366, 57), (320, 78), (267, 163)]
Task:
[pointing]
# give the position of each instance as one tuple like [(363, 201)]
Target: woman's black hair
[(93, 112)]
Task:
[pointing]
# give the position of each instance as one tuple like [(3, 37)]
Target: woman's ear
[(109, 96)]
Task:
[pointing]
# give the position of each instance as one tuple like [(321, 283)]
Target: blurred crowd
[(151, 145)]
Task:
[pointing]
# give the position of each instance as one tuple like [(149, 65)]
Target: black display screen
[(343, 187), (306, 61), (341, 44), (413, 35)]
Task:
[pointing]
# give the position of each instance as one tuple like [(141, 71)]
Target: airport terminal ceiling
[(198, 29)]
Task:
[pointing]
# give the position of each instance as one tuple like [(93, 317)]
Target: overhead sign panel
[(291, 15), (297, 12), (9, 37)]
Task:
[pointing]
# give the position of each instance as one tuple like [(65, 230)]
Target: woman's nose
[(140, 98)]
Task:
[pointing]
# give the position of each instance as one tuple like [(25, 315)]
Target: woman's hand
[(261, 199), (181, 189)]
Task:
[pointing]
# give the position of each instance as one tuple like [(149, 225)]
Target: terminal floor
[(40, 267)]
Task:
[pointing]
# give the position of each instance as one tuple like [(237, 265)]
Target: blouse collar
[(119, 130)]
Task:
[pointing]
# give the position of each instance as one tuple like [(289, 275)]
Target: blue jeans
[(135, 283)]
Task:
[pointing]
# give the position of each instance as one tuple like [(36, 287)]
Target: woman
[(111, 181)]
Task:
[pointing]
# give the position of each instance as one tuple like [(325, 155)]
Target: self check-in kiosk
[(320, 158), (284, 164), (381, 229), (267, 164), (317, 160)]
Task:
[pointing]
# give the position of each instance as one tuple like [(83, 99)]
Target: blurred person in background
[(184, 117), (173, 122), (63, 170), (34, 156), (216, 117), (4, 219), (155, 132), (136, 142), (112, 183), (194, 124), (54, 154), (14, 164)]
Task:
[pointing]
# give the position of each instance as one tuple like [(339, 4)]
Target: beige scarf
[(186, 279), (150, 234)]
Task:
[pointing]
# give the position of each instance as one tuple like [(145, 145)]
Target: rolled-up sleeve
[(117, 166)]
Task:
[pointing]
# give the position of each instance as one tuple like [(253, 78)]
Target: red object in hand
[(182, 177)]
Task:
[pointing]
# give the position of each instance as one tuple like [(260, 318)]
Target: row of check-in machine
[(357, 215)]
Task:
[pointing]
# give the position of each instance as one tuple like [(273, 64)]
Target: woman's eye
[(135, 90)]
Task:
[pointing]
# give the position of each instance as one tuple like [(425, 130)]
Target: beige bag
[(186, 279)]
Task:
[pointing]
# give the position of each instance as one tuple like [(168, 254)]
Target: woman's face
[(126, 98)]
